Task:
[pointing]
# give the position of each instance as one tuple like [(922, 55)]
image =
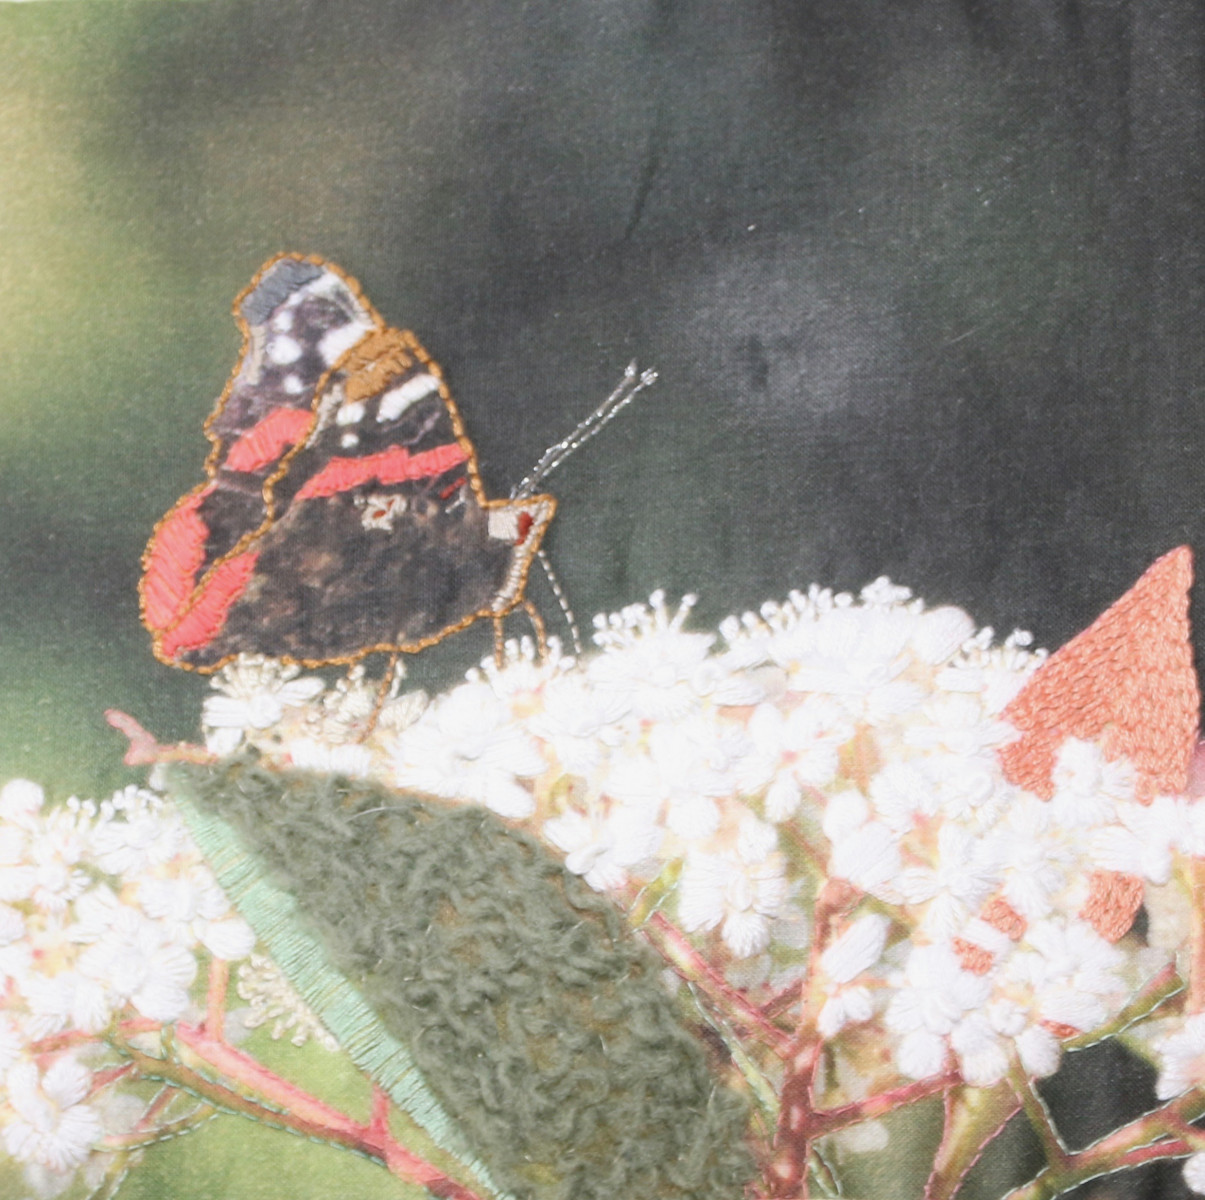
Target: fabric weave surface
[(544, 1028)]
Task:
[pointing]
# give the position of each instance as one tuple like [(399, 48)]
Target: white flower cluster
[(103, 910), (726, 780)]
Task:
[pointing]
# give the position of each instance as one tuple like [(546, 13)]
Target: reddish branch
[(730, 1002), (145, 751)]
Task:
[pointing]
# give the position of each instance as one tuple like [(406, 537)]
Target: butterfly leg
[(562, 600), (383, 693), (537, 624), (499, 643)]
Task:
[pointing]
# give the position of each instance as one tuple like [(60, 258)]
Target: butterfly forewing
[(372, 531), (299, 318)]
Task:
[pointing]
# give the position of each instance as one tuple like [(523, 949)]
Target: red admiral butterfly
[(343, 512)]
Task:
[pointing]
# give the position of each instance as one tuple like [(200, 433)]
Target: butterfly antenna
[(561, 599), (633, 383)]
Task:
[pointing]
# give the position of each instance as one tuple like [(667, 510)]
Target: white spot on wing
[(293, 384), (282, 322), (283, 350), (379, 511), (342, 338), (349, 414), (348, 440), (395, 401), (328, 284)]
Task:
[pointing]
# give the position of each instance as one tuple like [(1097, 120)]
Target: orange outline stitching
[(511, 597)]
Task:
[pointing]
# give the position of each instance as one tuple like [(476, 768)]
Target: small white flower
[(1070, 972), (845, 1006), (869, 858), (64, 1001), (1032, 865), (467, 747), (857, 949), (254, 692), (902, 793), (982, 1055), (697, 761), (954, 887), (648, 660), (798, 749), (939, 633), (191, 908), (855, 656), (52, 1126), (731, 891), (137, 962), (577, 721), (1194, 1172), (309, 754), (1181, 1058), (1087, 787), (957, 724), (134, 834), (1142, 843), (604, 849), (932, 995), (1039, 1051)]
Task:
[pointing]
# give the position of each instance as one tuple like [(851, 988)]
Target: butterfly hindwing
[(364, 522)]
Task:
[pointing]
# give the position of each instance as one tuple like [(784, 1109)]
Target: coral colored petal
[(1127, 681), (177, 553), (1113, 902), (208, 614), (395, 465), (281, 428), (973, 958)]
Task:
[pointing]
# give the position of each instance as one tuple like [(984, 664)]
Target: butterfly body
[(343, 512)]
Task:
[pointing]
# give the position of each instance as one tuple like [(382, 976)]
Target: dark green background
[(923, 281)]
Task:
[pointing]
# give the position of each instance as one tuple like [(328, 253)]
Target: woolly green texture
[(537, 1018), (274, 916)]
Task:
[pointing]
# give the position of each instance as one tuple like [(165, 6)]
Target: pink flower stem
[(829, 1120), (103, 1078), (381, 1105), (62, 1041), (787, 1174), (281, 1104), (242, 1069), (215, 998), (676, 948), (1196, 968)]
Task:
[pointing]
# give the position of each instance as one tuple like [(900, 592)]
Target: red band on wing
[(208, 614), (395, 465), (175, 558), (280, 429)]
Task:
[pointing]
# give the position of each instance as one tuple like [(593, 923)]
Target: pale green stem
[(1038, 1115), (1154, 1136)]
